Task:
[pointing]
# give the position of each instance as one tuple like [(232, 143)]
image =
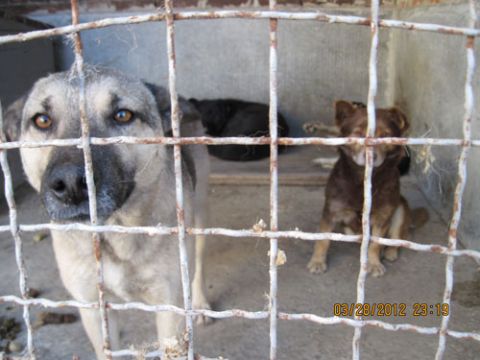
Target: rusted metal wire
[(461, 181), (175, 118), (367, 183), (273, 123), (236, 14), (293, 234), (239, 140), (252, 315), (92, 197), (238, 313), (14, 229), (273, 234), (376, 323)]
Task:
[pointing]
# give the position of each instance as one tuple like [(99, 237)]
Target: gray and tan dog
[(135, 187)]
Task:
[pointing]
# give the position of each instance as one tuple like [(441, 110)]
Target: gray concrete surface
[(428, 72), (318, 63), (423, 73), (18, 72), (237, 277)]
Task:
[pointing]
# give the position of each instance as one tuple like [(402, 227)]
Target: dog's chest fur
[(132, 264), (344, 191)]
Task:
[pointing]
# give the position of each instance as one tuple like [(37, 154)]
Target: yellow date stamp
[(390, 309)]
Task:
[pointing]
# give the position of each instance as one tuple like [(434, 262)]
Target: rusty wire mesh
[(84, 142)]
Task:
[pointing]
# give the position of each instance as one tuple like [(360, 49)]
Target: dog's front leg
[(199, 300), (170, 329), (318, 262), (375, 266), (92, 324)]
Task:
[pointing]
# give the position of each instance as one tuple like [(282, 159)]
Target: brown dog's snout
[(68, 184)]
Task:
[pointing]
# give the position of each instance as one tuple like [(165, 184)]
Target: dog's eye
[(123, 116), (42, 121)]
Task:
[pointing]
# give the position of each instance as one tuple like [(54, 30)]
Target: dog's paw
[(316, 266), (391, 253), (203, 319), (376, 269)]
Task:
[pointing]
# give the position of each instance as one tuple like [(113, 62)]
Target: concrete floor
[(237, 277)]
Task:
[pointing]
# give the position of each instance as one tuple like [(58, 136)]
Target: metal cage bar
[(92, 197), (461, 180), (273, 123), (84, 142), (234, 14), (367, 183), (177, 153), (206, 140), (15, 231), (293, 234)]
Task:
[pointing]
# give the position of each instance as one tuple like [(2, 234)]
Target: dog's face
[(116, 106), (352, 121)]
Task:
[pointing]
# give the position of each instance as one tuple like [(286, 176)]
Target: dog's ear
[(162, 99), (399, 118), (161, 95), (343, 110), (12, 119), (188, 111)]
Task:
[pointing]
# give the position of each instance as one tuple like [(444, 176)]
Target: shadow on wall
[(18, 73), (429, 84)]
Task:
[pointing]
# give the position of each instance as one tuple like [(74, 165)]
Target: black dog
[(229, 117)]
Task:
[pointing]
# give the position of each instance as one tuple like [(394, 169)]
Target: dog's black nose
[(68, 184)]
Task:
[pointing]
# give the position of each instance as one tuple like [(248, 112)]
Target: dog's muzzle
[(65, 192)]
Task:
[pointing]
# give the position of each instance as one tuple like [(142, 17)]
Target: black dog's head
[(215, 114), (116, 106)]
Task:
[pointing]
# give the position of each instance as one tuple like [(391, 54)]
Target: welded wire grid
[(169, 16)]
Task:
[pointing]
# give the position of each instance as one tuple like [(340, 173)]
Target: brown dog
[(390, 216)]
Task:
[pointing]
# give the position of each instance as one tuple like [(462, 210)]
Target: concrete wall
[(21, 65), (423, 73), (318, 63), (428, 72)]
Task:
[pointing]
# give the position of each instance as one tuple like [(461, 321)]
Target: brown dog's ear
[(400, 119), (12, 119), (343, 110)]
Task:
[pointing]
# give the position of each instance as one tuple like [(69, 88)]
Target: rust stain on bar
[(97, 247), (437, 249), (470, 42), (452, 233)]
